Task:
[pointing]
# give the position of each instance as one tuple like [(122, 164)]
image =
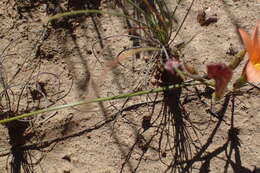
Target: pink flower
[(222, 74), (171, 64)]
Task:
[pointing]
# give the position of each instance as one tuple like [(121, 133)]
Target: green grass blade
[(78, 12), (121, 96)]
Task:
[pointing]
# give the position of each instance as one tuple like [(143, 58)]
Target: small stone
[(66, 157), (206, 17)]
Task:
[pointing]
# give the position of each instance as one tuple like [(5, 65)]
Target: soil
[(65, 61)]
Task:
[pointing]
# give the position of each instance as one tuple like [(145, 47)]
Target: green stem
[(121, 96)]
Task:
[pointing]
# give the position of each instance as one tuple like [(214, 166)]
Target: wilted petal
[(222, 74)]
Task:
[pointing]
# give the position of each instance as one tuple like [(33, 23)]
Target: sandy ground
[(64, 62)]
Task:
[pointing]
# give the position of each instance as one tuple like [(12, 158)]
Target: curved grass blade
[(78, 12)]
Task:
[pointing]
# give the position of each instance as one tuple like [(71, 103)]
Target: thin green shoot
[(96, 100)]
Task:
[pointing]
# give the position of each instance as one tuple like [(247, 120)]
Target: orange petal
[(252, 73), (247, 41), (256, 46), (252, 46)]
